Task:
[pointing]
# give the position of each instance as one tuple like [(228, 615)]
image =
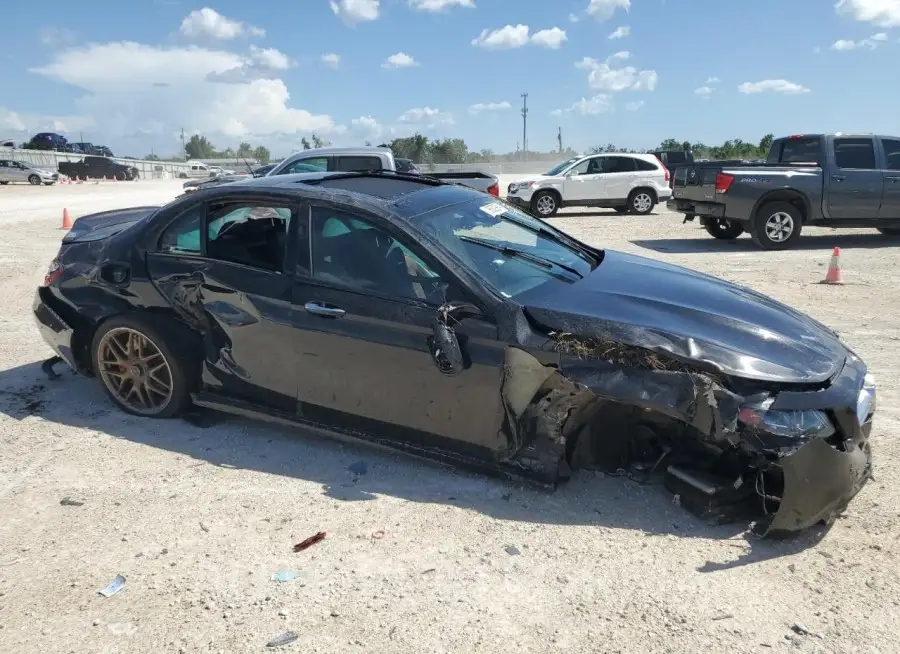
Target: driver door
[(584, 182), (365, 361)]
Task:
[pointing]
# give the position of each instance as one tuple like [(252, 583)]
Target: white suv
[(626, 182)]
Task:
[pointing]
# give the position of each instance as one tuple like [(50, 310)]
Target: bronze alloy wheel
[(135, 371)]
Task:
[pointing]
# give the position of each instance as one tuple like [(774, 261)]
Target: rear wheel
[(120, 177), (34, 180), (722, 228), (144, 372), (641, 202), (777, 226), (545, 204)]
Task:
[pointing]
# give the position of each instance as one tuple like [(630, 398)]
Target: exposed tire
[(722, 228), (34, 180), (777, 226), (144, 365), (890, 231), (120, 177), (641, 201), (621, 209), (545, 204)]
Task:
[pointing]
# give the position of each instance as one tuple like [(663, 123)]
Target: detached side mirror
[(445, 349)]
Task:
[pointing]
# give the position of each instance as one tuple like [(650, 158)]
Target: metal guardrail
[(50, 159)]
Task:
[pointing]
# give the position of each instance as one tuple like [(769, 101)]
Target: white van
[(198, 169)]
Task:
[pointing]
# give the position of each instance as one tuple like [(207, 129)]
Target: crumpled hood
[(696, 317)]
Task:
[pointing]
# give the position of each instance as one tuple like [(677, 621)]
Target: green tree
[(244, 149), (449, 151), (262, 154), (199, 147), (151, 157), (765, 144), (414, 147), (318, 142), (305, 144)]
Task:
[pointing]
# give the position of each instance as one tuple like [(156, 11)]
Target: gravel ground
[(416, 558)]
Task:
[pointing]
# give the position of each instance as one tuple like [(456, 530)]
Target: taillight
[(723, 182), (494, 190), (54, 272), (664, 167)]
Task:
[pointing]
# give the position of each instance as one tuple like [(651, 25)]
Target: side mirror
[(445, 349)]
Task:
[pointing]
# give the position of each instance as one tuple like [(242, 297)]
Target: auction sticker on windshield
[(493, 209)]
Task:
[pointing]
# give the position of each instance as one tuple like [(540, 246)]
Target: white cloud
[(367, 127), (620, 33), (480, 107), (705, 91), (426, 115), (435, 6), (399, 60), (594, 106), (603, 77), (774, 86), (842, 45), (56, 37), (884, 13), (621, 55), (552, 38), (208, 23), (712, 80), (505, 38), (573, 18), (166, 88), (23, 125), (332, 60), (634, 106), (352, 12), (604, 9)]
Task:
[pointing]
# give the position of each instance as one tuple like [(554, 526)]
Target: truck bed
[(697, 182)]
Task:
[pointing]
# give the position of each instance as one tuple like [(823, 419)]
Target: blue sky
[(238, 70)]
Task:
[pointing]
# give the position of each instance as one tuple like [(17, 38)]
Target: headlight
[(804, 424), (865, 402)]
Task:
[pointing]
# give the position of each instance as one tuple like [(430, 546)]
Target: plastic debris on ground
[(114, 587), (281, 577), (309, 542), (284, 639)]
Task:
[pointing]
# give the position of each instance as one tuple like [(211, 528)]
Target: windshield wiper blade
[(543, 231), (547, 264)]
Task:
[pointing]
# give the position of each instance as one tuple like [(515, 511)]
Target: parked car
[(98, 168), (373, 158), (17, 171), (262, 171), (425, 316), (103, 151), (47, 141), (86, 148), (835, 180), (8, 144), (626, 182), (671, 159), (407, 166), (197, 170)]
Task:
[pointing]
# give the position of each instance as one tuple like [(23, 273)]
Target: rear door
[(222, 264), (365, 306), (7, 171), (619, 177), (890, 199), (855, 183)]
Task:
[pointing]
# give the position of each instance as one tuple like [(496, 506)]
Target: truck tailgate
[(697, 183)]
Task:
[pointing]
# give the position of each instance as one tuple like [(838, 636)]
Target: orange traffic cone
[(67, 222), (834, 274)]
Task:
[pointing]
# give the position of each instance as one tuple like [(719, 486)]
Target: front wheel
[(777, 226), (641, 202), (34, 180), (545, 204), (120, 177), (722, 228), (141, 371)]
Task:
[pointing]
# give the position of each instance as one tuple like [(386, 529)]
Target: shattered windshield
[(510, 250), (556, 170)]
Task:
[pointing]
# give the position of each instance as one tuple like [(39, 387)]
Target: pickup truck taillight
[(494, 190), (723, 182)]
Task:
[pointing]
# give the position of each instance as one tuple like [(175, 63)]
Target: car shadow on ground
[(745, 244), (354, 473), (599, 213)]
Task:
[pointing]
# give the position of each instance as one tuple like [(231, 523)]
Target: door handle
[(838, 178), (324, 310)]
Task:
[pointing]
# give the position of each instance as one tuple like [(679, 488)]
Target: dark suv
[(48, 141)]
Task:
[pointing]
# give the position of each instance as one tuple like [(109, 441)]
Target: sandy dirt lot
[(416, 558)]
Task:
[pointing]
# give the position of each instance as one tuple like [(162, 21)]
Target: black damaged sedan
[(443, 322)]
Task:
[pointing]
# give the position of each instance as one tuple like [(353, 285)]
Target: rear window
[(676, 158), (351, 164), (796, 150), (645, 165)]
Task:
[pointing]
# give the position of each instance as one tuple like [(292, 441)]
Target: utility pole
[(183, 151), (524, 125), (559, 138)]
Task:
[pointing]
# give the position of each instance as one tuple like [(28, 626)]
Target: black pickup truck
[(98, 168), (833, 180)]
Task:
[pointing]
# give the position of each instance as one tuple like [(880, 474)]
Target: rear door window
[(308, 165), (363, 163), (854, 153), (645, 165), (618, 165), (891, 153)]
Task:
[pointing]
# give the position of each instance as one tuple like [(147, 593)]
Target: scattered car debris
[(47, 367), (68, 501), (358, 468), (309, 542), (114, 587), (512, 550), (204, 527), (723, 616), (429, 571), (378, 535), (284, 639), (284, 576)]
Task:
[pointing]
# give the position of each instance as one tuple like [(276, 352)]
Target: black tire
[(4, 183), (766, 226), (890, 231), (120, 176), (641, 201), (621, 209), (722, 228), (544, 204), (174, 343), (34, 180)]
